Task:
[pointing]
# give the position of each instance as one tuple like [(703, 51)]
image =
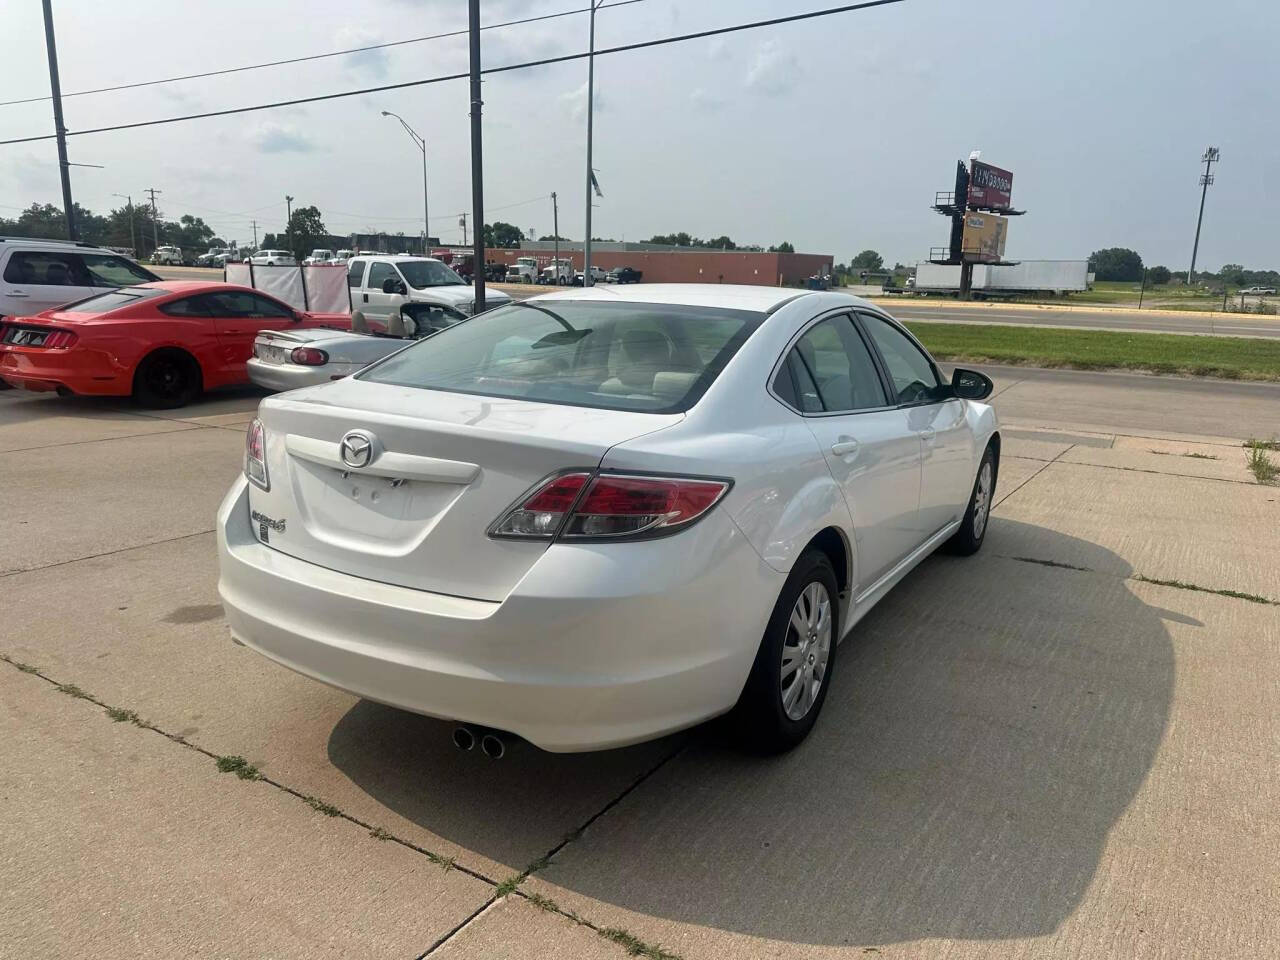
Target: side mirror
[(392, 285), (971, 385)]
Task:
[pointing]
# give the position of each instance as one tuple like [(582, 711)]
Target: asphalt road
[(1158, 321)]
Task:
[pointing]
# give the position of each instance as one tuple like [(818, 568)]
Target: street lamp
[(422, 145)]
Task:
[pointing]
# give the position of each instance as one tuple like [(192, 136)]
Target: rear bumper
[(591, 650), (83, 372), (285, 376)]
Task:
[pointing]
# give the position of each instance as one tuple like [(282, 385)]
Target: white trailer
[(1028, 276)]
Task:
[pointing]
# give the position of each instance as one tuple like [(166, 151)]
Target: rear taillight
[(309, 356), (578, 506), (59, 339), (255, 456)]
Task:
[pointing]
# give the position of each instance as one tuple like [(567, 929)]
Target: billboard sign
[(984, 237), (989, 186)]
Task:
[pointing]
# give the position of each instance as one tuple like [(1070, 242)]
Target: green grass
[(318, 805), (1123, 294), (1233, 358), (1183, 585), (635, 946)]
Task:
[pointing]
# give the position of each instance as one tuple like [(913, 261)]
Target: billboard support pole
[(966, 280)]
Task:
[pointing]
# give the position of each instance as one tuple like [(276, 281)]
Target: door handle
[(18, 294), (366, 297), (844, 447), (928, 433)]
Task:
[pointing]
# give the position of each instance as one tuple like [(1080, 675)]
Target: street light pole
[(555, 229), (129, 200), (288, 221), (477, 159), (55, 88), (421, 143), (591, 85)]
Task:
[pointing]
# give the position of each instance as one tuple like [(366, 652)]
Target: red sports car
[(161, 343)]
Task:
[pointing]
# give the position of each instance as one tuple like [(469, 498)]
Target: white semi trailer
[(1029, 276)]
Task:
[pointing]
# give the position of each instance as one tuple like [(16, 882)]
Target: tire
[(765, 720), (967, 541), (167, 379)]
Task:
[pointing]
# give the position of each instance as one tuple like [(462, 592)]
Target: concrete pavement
[(1026, 753)]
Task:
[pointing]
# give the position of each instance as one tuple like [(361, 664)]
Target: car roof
[(728, 295)]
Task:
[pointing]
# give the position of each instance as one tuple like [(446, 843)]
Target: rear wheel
[(792, 672), (973, 528), (167, 379)]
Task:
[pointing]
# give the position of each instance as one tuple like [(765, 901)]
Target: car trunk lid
[(442, 468)]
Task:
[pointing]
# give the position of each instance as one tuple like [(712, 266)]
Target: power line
[(314, 56), (566, 58)]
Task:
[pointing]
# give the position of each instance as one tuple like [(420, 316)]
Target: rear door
[(238, 315), (829, 376), (38, 280), (936, 415)]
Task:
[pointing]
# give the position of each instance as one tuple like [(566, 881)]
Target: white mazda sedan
[(597, 516)]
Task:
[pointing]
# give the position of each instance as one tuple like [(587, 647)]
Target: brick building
[(661, 264)]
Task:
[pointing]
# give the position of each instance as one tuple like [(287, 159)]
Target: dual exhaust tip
[(491, 743)]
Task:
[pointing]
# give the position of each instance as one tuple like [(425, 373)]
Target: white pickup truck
[(524, 270), (381, 283)]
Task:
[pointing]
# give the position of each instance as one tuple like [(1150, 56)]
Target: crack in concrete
[(107, 553), (1047, 465)]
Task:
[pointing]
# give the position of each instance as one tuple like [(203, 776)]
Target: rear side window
[(47, 269), (103, 302), (830, 370), (108, 271), (186, 307), (239, 303), (355, 273), (657, 358)]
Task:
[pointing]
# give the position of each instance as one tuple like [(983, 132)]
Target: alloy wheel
[(982, 500), (805, 651)]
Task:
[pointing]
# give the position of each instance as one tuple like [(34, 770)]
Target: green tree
[(552, 236), (1116, 263), (1159, 275), (1232, 273), (867, 260), (722, 243), (783, 247), (306, 231), (505, 235)]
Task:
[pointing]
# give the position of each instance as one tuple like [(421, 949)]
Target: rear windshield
[(657, 358), (116, 298)]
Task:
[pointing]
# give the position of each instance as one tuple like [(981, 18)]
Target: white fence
[(321, 288)]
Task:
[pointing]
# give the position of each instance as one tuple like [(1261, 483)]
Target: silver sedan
[(288, 359)]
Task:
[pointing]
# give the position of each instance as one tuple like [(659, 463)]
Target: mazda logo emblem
[(356, 449)]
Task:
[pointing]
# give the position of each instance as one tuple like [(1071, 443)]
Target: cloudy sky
[(833, 134)]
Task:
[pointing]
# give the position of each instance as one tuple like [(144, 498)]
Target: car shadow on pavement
[(987, 725)]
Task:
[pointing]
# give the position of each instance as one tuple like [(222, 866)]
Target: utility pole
[(55, 88), (155, 219), (477, 159), (555, 229), (1206, 179), (288, 223), (591, 86), (462, 222), (129, 200), (255, 235)]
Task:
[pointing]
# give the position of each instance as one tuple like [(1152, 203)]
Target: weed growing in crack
[(1183, 585), (24, 667), (1258, 461), (542, 903), (122, 716), (71, 690), (1200, 456), (318, 805), (445, 863), (635, 946), (241, 767), (508, 886), (380, 833)]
